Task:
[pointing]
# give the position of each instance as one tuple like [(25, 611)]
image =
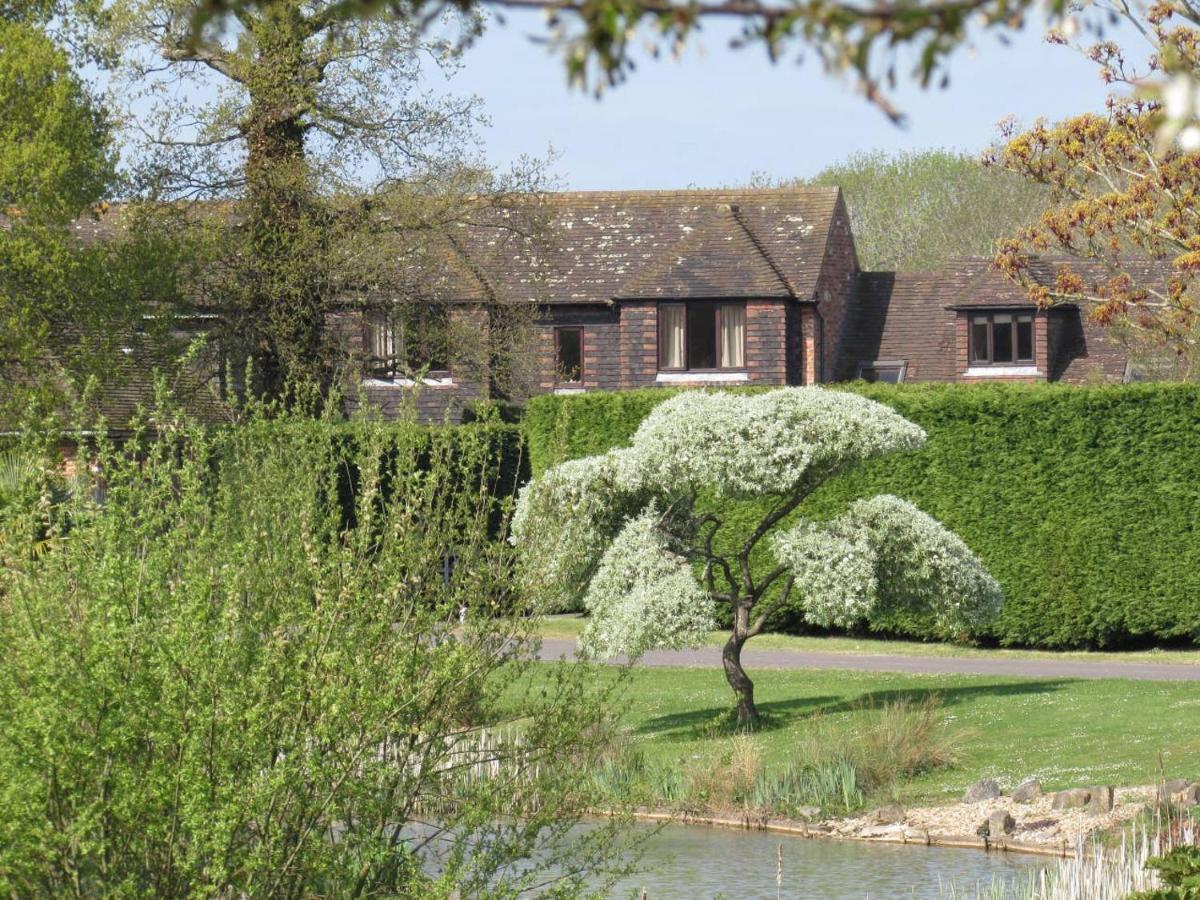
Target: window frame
[(989, 318), (558, 330), (380, 367), (398, 364), (900, 365), (687, 328)]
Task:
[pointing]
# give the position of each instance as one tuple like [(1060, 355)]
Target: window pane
[(1024, 337), (670, 337), (979, 340), (381, 343), (702, 337), (1002, 340), (422, 337), (568, 363), (883, 374), (733, 335)]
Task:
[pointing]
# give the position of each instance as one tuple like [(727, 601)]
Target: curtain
[(670, 337), (383, 338), (733, 336)]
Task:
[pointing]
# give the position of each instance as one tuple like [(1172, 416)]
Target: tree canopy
[(56, 163), (306, 146), (914, 211), (635, 533), (56, 157)]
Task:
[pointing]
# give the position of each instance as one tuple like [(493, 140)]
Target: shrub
[(266, 659), (1083, 502)]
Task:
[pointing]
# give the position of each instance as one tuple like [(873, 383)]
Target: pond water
[(699, 863)]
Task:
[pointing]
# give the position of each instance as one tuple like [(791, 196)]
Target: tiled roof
[(605, 245), (718, 258)]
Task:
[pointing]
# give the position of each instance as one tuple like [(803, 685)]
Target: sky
[(718, 116)]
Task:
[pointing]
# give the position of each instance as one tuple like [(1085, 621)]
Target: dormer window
[(1002, 339)]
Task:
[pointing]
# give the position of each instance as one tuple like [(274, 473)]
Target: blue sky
[(718, 116)]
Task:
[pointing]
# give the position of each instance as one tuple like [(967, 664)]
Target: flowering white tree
[(620, 533)]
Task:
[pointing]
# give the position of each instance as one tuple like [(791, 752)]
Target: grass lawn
[(1068, 733), (569, 626)]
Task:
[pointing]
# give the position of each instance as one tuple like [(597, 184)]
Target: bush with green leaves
[(1179, 872), (1083, 502), (275, 661), (625, 533)]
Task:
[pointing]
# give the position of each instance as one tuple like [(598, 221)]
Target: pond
[(698, 863)]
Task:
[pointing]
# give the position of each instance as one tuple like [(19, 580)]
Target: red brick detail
[(834, 293)]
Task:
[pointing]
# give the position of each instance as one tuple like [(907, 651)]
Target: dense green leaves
[(55, 156), (916, 211), (280, 659), (1084, 503)]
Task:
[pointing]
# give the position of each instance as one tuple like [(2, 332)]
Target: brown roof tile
[(603, 245)]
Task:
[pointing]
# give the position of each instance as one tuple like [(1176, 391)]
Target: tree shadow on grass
[(778, 714)]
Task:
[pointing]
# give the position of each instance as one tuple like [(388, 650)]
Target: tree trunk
[(743, 687), (285, 304)]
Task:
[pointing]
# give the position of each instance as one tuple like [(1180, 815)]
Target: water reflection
[(699, 863)]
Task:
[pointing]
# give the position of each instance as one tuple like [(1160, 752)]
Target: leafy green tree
[(343, 177), (914, 211), (56, 158), (284, 659), (56, 163), (621, 532)]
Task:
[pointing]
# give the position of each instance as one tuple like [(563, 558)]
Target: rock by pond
[(987, 789), (1027, 791)]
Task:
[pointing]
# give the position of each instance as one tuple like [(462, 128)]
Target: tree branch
[(761, 621), (215, 60)]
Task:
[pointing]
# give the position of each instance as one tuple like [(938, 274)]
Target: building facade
[(719, 288)]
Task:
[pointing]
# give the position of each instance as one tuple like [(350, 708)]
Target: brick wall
[(638, 343), (835, 291), (601, 346), (766, 341), (428, 403)]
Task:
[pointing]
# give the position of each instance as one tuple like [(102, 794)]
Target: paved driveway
[(554, 648)]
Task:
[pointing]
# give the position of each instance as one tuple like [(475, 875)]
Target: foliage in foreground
[(1123, 192), (1080, 501), (621, 532), (275, 662)]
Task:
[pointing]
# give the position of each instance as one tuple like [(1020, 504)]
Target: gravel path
[(554, 648)]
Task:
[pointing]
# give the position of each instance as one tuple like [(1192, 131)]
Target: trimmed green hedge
[(1083, 501)]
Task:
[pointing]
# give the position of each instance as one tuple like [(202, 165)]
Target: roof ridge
[(712, 193), (736, 212)]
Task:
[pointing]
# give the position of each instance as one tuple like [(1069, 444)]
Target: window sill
[(712, 377), (1003, 372), (447, 382), (570, 389)]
